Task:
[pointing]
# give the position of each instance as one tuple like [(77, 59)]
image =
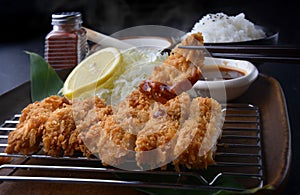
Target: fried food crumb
[(28, 134)]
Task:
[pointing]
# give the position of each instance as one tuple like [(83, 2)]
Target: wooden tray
[(265, 93)]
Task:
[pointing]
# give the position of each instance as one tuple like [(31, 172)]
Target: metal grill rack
[(238, 160)]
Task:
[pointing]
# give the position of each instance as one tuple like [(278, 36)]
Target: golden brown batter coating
[(118, 131), (177, 74), (60, 136), (28, 134), (114, 143), (179, 131), (133, 112), (197, 139), (89, 114), (158, 134)]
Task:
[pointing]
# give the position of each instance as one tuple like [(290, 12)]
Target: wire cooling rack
[(239, 161)]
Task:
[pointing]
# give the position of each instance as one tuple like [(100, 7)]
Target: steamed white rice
[(221, 28)]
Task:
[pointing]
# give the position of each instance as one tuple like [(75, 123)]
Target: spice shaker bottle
[(66, 45)]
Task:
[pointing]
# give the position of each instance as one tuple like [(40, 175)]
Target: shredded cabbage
[(138, 64)]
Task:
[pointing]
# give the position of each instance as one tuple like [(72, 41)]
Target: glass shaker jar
[(66, 45)]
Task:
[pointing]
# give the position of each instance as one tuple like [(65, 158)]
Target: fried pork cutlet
[(85, 111), (133, 113), (194, 140), (195, 57), (69, 130), (154, 144), (181, 64), (118, 131), (197, 139), (89, 115), (58, 124), (115, 144), (179, 72), (189, 141), (28, 134), (60, 136)]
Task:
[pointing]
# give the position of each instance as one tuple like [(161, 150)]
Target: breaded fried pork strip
[(60, 136), (89, 114), (194, 140), (59, 126), (155, 142), (179, 72), (71, 129), (197, 139), (118, 131), (188, 141), (114, 142), (133, 113), (28, 134)]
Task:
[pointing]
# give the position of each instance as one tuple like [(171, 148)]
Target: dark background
[(24, 24), (23, 19)]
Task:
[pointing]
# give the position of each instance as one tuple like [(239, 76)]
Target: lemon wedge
[(92, 72)]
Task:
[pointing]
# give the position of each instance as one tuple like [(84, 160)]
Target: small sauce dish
[(225, 79)]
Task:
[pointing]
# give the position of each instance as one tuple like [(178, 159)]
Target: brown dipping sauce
[(213, 73)]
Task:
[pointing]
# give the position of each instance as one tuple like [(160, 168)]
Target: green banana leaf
[(44, 80)]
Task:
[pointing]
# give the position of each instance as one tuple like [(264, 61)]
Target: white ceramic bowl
[(153, 42), (226, 90), (148, 41)]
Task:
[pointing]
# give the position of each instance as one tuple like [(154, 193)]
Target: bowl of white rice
[(221, 28)]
